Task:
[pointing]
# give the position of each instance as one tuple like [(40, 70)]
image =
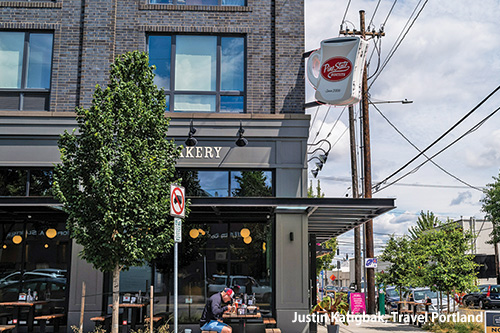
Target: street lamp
[(405, 101), (191, 141)]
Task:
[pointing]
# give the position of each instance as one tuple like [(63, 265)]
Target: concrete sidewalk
[(374, 327)]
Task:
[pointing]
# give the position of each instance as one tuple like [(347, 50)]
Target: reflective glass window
[(254, 183), (200, 73), (25, 67), (13, 182), (200, 2)]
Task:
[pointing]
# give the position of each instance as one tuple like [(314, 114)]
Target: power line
[(374, 12), (377, 187), (443, 135), (314, 119), (398, 43), (322, 123), (390, 12), (345, 13), (414, 146)]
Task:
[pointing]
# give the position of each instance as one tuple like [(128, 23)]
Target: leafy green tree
[(444, 255), (116, 172), (491, 206), (325, 261), (252, 184), (319, 193), (398, 252), (426, 221)]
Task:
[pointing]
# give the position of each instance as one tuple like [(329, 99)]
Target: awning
[(328, 217)]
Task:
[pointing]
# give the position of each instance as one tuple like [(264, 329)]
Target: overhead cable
[(442, 136)]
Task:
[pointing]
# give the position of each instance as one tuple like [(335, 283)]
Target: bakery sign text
[(201, 152)]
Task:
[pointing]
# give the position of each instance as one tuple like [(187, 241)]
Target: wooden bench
[(54, 317), (208, 331), (7, 328), (273, 330), (269, 321)]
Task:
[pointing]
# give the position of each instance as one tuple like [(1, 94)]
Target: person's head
[(227, 295)]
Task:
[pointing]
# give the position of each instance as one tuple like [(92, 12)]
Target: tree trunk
[(116, 299)]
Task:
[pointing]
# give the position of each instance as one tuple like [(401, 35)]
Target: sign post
[(177, 209)]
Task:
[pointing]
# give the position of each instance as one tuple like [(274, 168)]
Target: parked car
[(46, 287), (419, 295), (391, 299), (16, 277), (262, 292), (488, 296)]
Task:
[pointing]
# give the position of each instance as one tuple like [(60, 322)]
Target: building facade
[(225, 65)]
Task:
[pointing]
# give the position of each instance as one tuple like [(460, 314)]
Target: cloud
[(461, 198)]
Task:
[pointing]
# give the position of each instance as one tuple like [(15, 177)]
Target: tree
[(491, 206), (310, 192), (252, 184), (398, 252), (443, 253), (426, 221), (115, 174), (325, 261)]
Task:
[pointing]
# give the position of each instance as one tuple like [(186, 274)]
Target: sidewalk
[(373, 328)]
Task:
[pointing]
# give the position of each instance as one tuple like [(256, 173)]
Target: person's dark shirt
[(213, 309)]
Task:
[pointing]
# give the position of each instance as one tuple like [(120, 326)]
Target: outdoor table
[(135, 308), (31, 314), (242, 318)]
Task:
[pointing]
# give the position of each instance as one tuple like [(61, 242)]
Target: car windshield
[(392, 293), (423, 294), (495, 289)]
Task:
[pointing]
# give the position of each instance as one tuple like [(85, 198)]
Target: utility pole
[(355, 194), (369, 248)]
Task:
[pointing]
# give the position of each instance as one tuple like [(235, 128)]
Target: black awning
[(328, 217)]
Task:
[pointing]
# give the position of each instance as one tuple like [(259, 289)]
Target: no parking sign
[(177, 200)]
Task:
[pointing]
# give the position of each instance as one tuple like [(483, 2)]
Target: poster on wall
[(357, 303)]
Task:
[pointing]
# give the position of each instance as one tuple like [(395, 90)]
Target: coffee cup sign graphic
[(335, 70)]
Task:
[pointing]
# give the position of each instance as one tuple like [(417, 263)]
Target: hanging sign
[(177, 200), (339, 65), (333, 277)]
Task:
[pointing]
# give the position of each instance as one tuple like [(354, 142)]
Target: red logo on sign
[(177, 201), (336, 69)]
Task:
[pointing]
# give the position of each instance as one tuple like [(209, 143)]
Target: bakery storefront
[(250, 224)]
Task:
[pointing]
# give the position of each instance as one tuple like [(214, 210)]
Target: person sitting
[(211, 318)]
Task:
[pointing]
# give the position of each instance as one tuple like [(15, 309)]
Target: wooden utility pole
[(367, 184), (355, 194)]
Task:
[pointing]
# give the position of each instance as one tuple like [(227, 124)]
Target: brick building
[(223, 64)]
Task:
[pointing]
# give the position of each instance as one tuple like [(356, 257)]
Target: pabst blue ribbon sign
[(336, 69)]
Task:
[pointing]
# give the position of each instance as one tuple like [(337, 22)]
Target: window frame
[(20, 92), (176, 3), (218, 93)]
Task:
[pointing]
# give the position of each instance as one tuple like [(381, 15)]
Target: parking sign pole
[(176, 286)]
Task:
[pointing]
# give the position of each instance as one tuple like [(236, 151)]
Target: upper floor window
[(25, 67), (200, 73), (201, 2)]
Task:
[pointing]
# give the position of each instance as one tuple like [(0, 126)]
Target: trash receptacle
[(381, 301)]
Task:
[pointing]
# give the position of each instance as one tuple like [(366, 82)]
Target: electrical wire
[(440, 137), (398, 43), (374, 12), (314, 119), (378, 61), (378, 188), (390, 12), (322, 123), (345, 13), (414, 146)]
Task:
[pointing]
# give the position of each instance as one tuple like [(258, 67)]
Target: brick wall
[(87, 35)]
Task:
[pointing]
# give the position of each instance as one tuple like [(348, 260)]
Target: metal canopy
[(328, 217)]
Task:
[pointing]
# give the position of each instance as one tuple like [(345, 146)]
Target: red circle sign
[(336, 69), (177, 198)]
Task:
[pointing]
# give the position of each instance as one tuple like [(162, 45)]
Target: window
[(25, 182), (25, 64), (200, 73), (200, 2)]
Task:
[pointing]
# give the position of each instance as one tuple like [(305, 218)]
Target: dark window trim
[(175, 3), (218, 92)]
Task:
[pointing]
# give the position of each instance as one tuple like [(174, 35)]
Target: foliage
[(337, 303), (442, 256), (310, 191), (491, 206), (252, 184), (398, 252), (325, 262), (451, 327), (426, 221), (115, 175)]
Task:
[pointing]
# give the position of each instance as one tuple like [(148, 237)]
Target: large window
[(25, 182), (200, 73), (25, 67), (224, 183), (201, 2)]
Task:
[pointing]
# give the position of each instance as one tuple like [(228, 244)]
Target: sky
[(447, 63)]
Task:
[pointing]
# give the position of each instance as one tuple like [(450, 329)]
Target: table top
[(130, 305), (238, 316), (21, 303)]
